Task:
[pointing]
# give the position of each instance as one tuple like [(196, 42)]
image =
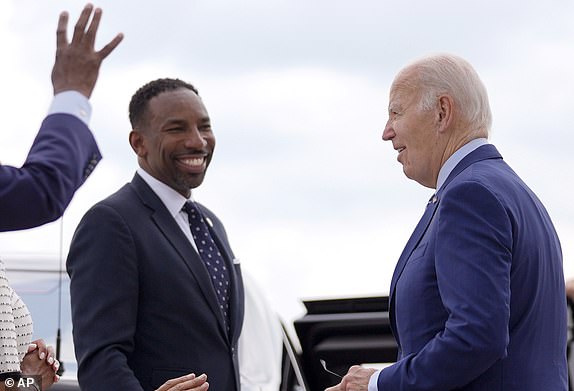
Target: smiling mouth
[(193, 165), (193, 162), (399, 150)]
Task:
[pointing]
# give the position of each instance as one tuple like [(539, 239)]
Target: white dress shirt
[(72, 102), (172, 200)]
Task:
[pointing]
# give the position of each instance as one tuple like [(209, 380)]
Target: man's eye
[(176, 129)]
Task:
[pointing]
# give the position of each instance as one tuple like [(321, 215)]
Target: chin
[(406, 172), (189, 182), (195, 183)]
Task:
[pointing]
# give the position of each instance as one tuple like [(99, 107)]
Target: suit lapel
[(414, 240), (167, 225)]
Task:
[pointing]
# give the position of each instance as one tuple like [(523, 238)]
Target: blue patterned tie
[(211, 257)]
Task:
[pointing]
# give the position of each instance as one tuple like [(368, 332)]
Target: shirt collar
[(172, 200), (455, 158)]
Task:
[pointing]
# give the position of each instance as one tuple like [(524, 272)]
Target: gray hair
[(448, 74)]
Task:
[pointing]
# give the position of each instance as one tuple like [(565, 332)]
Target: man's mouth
[(193, 165), (193, 162)]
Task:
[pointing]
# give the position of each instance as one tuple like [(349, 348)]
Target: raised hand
[(77, 62)]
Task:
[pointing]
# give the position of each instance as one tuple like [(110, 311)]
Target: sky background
[(314, 202)]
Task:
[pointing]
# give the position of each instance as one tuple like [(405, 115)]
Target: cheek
[(210, 139)]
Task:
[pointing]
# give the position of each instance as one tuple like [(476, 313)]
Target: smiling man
[(156, 292), (477, 299)]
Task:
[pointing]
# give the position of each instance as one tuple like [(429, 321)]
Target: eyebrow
[(174, 121), (394, 107), (178, 121)]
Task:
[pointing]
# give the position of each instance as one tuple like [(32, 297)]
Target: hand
[(357, 379), (187, 382), (46, 353), (40, 361), (77, 63)]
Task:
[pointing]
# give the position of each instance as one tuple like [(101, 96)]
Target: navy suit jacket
[(143, 306), (477, 299), (62, 156)]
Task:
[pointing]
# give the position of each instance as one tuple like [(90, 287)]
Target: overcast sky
[(314, 202)]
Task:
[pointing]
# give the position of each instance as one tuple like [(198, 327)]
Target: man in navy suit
[(146, 303), (477, 299), (64, 152)]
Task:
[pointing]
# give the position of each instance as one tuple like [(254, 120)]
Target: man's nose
[(194, 139), (388, 132)]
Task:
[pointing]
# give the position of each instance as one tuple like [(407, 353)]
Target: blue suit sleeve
[(473, 246), (62, 156)]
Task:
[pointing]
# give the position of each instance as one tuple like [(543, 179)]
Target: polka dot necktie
[(211, 257)]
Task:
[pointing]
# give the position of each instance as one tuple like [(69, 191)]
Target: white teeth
[(401, 149), (193, 162)]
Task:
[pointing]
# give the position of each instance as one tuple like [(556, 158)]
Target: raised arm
[(64, 152)]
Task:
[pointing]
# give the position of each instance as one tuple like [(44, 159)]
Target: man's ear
[(445, 112), (137, 143)]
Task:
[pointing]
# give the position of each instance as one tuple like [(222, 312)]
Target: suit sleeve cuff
[(373, 381), (74, 103)]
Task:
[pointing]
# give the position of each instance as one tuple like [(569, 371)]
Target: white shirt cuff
[(72, 102), (373, 381)]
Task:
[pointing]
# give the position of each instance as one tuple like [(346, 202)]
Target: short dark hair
[(144, 94)]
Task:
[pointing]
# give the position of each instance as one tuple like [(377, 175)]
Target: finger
[(93, 28), (198, 384), (32, 347), (40, 343), (56, 365), (41, 348), (80, 28), (106, 50), (183, 378), (173, 382), (203, 387), (62, 31), (198, 381), (51, 354)]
